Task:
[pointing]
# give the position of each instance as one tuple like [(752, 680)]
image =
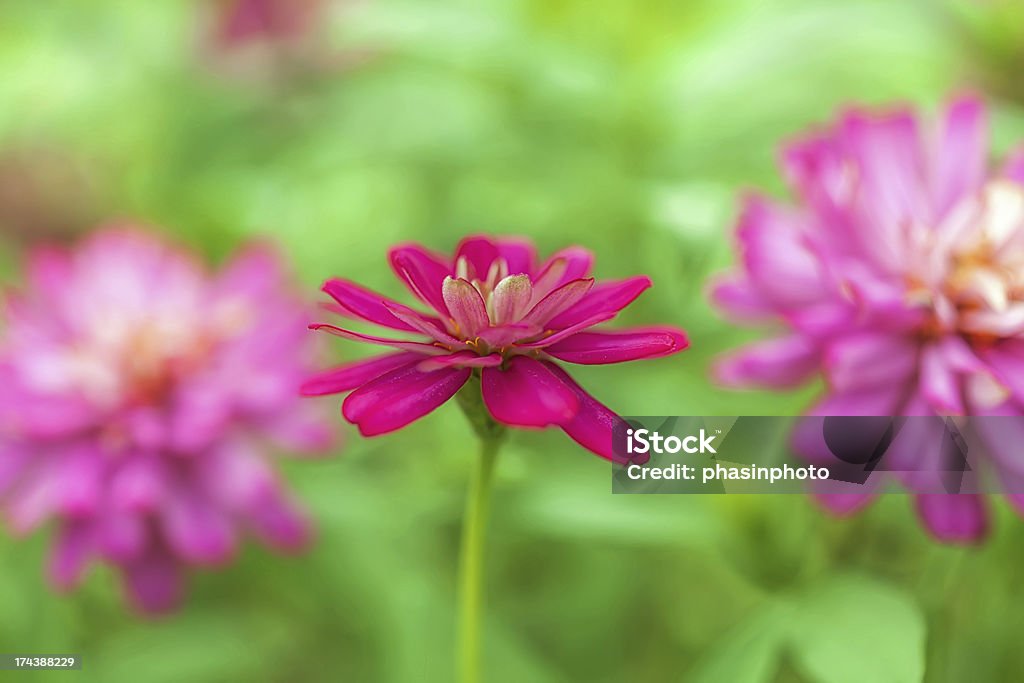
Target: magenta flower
[(136, 390), (496, 311), (240, 22), (898, 275)]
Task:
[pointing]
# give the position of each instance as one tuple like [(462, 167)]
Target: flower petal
[(154, 582), (843, 504), (139, 485), (424, 324), (423, 272), (953, 518), (962, 154), (519, 253), (939, 383), (1013, 167), (511, 299), (466, 306), (738, 300), (567, 332), (506, 335), (561, 299), (861, 360), (352, 375), (70, 554), (564, 266), (122, 536), (776, 363), (401, 396), (277, 521), (526, 394), (365, 304), (781, 267), (594, 424), (604, 297), (196, 530), (1007, 363), (462, 359), (417, 347), (619, 346), (889, 156), (478, 253)]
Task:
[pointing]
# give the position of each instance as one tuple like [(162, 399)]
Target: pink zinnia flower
[(899, 275), (243, 21), (136, 393), (496, 311)]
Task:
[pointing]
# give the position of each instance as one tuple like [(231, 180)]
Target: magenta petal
[(479, 253), (278, 522), (781, 267), (526, 394), (13, 461), (519, 254), (843, 504), (776, 363), (34, 499), (70, 554), (939, 383), (567, 332), (462, 359), (48, 270), (959, 518), (594, 348), (603, 298), (255, 271), (432, 327), (889, 156), (561, 299), (365, 304), (352, 375), (506, 335), (400, 397), (879, 400), (594, 424), (154, 582), (739, 300), (962, 153), (1007, 363), (417, 347), (423, 273), (121, 536), (80, 482), (511, 299), (139, 484), (1013, 168), (564, 266), (466, 306), (196, 530), (862, 360)]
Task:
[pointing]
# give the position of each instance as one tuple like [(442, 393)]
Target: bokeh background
[(338, 129)]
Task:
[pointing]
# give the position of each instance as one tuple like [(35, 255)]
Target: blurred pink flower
[(277, 41), (244, 21), (137, 392), (493, 310), (899, 275)]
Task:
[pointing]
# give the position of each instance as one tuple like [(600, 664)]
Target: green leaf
[(854, 629), (747, 654)]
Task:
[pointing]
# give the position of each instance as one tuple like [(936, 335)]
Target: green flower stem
[(474, 527)]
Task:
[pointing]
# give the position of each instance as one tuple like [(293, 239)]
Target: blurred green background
[(629, 127)]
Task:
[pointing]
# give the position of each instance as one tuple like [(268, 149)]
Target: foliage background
[(629, 127)]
